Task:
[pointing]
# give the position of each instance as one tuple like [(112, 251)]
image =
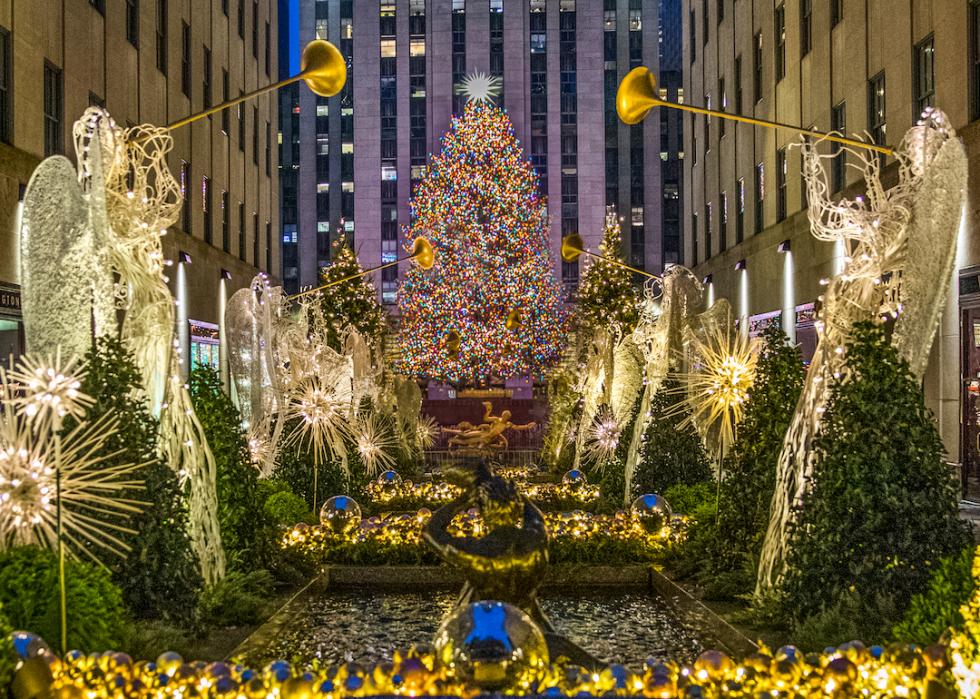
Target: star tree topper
[(480, 87)]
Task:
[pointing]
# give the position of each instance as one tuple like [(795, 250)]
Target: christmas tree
[(353, 303), (492, 285), (881, 510), (606, 293)]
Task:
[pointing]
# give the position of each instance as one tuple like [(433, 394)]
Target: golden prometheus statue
[(485, 438)]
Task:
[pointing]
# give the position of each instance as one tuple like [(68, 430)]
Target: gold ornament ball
[(491, 645), (713, 665), (574, 478)]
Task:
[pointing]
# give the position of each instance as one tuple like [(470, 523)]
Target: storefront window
[(11, 324), (205, 344)]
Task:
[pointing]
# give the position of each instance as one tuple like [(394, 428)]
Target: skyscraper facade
[(358, 155)]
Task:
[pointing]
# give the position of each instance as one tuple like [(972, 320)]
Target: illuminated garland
[(479, 206), (434, 494), (398, 539), (848, 671)]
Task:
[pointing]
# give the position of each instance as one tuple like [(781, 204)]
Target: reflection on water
[(366, 626)]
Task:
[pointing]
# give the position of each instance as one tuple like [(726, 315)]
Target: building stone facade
[(851, 65), (560, 61), (151, 61)]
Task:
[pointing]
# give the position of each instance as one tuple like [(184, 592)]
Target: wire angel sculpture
[(103, 223), (900, 250), (665, 311)]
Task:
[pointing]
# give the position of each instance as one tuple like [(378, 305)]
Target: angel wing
[(56, 260)]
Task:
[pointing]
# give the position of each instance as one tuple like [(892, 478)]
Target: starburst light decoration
[(717, 387), (321, 418), (480, 87), (50, 389), (375, 442), (602, 438), (427, 430), (32, 453)]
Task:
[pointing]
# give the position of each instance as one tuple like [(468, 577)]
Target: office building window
[(738, 84), (760, 196), (781, 183), (255, 135), (185, 59), (838, 122), (206, 82), (721, 10), (694, 238), (757, 67), (876, 108), (722, 105), (225, 223), (723, 222), (133, 22), (806, 22), (53, 109), (5, 102), (704, 22), (206, 208), (779, 37), (241, 19), (692, 30), (268, 246), (241, 126), (255, 28), (225, 96), (924, 78), (242, 243), (268, 49), (740, 210), (268, 148), (255, 239), (974, 66), (185, 193), (836, 12), (161, 32), (708, 229)]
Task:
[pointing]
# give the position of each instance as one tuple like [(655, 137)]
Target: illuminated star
[(480, 87)]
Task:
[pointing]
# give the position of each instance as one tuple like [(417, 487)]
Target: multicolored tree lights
[(479, 206)]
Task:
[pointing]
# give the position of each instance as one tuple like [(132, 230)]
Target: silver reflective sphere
[(389, 478), (340, 514), (491, 644), (574, 478), (653, 512)]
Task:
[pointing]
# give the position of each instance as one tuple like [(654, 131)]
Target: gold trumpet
[(322, 68), (514, 320), (637, 95), (572, 246), (422, 253)]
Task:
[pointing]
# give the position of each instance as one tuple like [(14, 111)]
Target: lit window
[(321, 29), (323, 226), (496, 5), (347, 147), (680, 95), (416, 47), (349, 225), (388, 173), (662, 93), (346, 28), (322, 110), (323, 187), (636, 215), (347, 186), (635, 22), (609, 20), (387, 48)]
